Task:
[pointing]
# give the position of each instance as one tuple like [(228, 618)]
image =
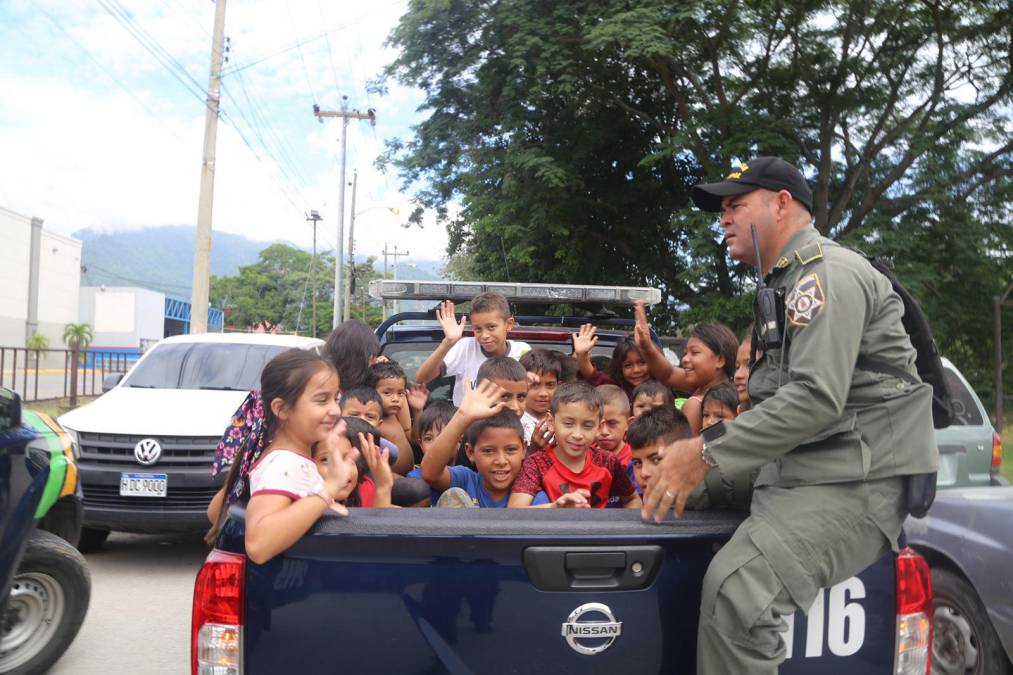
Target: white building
[(125, 319), (40, 278)]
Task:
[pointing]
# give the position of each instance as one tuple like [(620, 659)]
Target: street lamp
[(347, 311)]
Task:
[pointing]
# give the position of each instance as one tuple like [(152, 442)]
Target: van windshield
[(218, 365)]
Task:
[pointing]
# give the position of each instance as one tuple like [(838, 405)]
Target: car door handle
[(582, 568)]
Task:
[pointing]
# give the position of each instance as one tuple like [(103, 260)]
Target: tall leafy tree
[(568, 133)]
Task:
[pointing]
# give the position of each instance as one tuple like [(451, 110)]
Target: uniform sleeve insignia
[(806, 300)]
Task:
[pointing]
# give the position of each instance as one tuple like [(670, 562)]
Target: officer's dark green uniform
[(834, 444)]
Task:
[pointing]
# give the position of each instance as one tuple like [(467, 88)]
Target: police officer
[(834, 442)]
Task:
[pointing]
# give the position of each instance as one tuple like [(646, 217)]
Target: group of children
[(526, 427)]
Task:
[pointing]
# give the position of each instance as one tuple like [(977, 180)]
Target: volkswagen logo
[(147, 451), (601, 631)]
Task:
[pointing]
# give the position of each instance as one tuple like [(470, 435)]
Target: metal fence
[(38, 375)]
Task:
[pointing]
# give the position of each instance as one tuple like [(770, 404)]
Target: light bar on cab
[(463, 291)]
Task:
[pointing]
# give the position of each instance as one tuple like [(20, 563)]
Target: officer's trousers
[(796, 541)]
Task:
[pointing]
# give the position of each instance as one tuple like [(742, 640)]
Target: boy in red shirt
[(572, 473)]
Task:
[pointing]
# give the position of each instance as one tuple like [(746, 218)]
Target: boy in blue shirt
[(494, 443)]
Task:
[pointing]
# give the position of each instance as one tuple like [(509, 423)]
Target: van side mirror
[(10, 409), (110, 381)]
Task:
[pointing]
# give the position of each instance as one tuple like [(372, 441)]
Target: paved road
[(139, 617)]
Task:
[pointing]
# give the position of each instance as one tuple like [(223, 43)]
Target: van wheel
[(46, 607), (91, 539), (963, 639)]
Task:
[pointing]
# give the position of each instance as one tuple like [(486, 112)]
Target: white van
[(144, 448)]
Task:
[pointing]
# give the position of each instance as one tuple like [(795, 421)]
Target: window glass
[(965, 406)]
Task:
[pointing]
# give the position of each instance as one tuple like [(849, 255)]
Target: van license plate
[(143, 484)]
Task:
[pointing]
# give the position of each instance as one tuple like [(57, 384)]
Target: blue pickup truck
[(519, 591)]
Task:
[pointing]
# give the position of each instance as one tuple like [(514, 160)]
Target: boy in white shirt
[(457, 355)]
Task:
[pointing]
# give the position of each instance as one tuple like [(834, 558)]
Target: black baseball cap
[(770, 173)]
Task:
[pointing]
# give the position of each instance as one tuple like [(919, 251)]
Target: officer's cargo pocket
[(838, 454)]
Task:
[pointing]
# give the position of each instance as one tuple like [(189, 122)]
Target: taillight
[(217, 629), (914, 615), (996, 452)]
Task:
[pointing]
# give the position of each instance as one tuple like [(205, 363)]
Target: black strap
[(877, 366)]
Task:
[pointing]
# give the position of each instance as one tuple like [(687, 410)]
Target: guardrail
[(38, 375)]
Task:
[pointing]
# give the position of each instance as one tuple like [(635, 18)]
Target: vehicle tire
[(963, 639), (46, 607), (91, 539)]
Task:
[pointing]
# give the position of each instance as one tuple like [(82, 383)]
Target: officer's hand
[(680, 470)]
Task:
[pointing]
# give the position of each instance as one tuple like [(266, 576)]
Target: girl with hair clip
[(275, 466)]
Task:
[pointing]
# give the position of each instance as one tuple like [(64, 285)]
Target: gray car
[(965, 447)]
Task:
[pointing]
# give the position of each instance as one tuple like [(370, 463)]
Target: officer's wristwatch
[(711, 433), (707, 457)]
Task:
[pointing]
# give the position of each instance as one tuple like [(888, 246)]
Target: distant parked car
[(969, 450), (145, 447), (45, 587)]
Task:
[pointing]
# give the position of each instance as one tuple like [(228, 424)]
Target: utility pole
[(345, 115), (351, 252), (202, 245), (315, 217), (393, 254)]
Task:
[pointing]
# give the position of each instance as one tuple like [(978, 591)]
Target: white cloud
[(82, 152)]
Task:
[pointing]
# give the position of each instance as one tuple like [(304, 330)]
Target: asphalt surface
[(139, 617)]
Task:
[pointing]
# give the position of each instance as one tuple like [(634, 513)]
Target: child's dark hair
[(350, 346), (284, 377), (504, 419), (652, 388), (616, 397), (720, 339), (362, 395), (385, 370), (568, 367), (437, 414), (490, 302), (725, 394), (622, 349), (577, 392), (542, 362), (658, 424), (502, 368)]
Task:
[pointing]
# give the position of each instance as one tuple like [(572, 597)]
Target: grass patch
[(55, 407), (1007, 451)]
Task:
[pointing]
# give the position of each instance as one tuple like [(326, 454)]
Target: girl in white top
[(287, 492)]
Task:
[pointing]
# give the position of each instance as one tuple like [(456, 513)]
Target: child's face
[(576, 426), (642, 403), (714, 412), (429, 437), (497, 455), (322, 460), (315, 411), (645, 463), (742, 371), (368, 411), (612, 430), (491, 330), (514, 394), (702, 365), (392, 392), (635, 368), (539, 399)]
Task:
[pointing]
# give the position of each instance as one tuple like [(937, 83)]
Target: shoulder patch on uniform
[(781, 263), (806, 300), (809, 253)]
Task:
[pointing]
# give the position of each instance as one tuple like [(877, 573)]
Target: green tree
[(37, 343), (569, 133), (78, 336)]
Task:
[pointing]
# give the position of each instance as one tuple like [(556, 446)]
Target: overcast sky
[(96, 132)]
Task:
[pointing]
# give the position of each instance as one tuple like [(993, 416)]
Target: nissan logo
[(602, 631), (147, 451)]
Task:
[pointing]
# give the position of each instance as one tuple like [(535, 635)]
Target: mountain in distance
[(161, 258)]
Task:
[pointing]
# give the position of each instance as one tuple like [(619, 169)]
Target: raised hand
[(574, 500), (377, 460), (452, 330), (481, 402), (542, 433), (340, 467), (641, 329), (585, 340), (418, 394)]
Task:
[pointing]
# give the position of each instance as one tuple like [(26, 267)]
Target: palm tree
[(37, 343), (78, 335)]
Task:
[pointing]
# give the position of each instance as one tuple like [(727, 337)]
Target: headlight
[(74, 447)]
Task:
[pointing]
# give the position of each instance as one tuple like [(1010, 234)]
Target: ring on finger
[(669, 494)]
